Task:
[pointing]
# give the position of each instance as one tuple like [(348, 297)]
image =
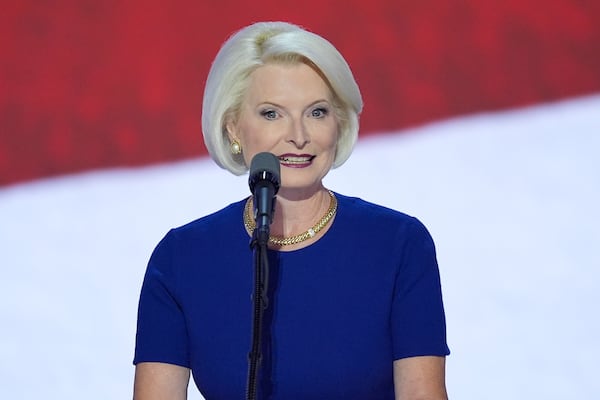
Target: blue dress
[(340, 310)]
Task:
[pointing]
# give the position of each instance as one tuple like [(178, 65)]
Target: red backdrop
[(89, 84)]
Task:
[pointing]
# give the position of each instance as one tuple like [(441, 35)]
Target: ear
[(231, 130)]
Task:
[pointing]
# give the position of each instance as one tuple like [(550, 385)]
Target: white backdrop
[(511, 199)]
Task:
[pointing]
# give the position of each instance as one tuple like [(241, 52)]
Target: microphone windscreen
[(264, 166)]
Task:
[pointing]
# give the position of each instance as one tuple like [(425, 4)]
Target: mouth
[(295, 160)]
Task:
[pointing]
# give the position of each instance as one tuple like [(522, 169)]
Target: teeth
[(295, 160)]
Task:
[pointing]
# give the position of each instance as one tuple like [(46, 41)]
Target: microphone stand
[(260, 303), (264, 183)]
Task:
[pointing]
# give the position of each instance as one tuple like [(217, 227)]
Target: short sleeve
[(161, 330), (418, 321)]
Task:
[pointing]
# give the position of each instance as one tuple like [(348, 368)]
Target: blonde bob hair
[(257, 45)]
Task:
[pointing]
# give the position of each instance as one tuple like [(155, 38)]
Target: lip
[(296, 160)]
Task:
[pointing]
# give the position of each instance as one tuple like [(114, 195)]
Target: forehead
[(285, 81)]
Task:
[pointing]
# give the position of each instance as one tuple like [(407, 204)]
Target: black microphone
[(264, 181)]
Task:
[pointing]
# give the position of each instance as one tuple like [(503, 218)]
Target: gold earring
[(236, 147)]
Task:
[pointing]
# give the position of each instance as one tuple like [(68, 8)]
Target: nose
[(298, 133)]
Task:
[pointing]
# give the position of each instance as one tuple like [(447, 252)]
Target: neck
[(296, 211)]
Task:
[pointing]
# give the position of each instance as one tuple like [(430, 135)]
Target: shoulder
[(357, 209), (183, 248), (215, 221), (364, 217), (225, 222)]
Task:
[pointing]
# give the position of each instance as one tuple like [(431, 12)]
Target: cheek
[(325, 133), (256, 132), (332, 138)]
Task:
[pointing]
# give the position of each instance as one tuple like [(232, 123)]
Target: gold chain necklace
[(250, 224)]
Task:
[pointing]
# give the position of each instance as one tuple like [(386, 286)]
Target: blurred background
[(481, 118)]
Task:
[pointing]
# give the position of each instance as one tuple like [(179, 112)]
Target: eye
[(269, 114), (319, 112)]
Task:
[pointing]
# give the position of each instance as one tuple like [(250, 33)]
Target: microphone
[(264, 181)]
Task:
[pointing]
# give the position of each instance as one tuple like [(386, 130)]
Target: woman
[(355, 308)]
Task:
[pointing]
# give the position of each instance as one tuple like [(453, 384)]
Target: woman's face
[(288, 111)]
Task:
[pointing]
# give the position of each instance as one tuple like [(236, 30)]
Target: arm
[(420, 378), (160, 381)]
